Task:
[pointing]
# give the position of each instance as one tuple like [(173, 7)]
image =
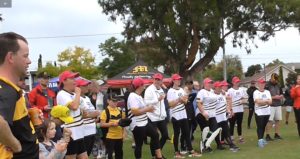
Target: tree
[(234, 68), (274, 63), (184, 29), (291, 79), (281, 80), (119, 57), (79, 60), (253, 69), (40, 62), (52, 70)]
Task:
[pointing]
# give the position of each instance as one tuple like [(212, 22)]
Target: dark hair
[(9, 43), (41, 130)]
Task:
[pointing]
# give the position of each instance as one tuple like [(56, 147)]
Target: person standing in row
[(276, 112), (250, 92), (238, 96), (262, 99), (206, 114), (66, 97), (41, 96), (177, 98), (17, 136), (295, 94), (154, 95), (137, 111), (222, 109)]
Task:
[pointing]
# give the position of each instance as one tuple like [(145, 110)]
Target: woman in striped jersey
[(177, 98), (238, 96), (262, 99), (222, 108), (206, 115), (140, 127)]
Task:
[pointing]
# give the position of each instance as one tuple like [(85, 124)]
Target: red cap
[(176, 77), (218, 84), (236, 79), (262, 81), (224, 83), (207, 80), (158, 76), (67, 74), (81, 82), (137, 82)]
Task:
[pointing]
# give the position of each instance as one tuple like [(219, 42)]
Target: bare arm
[(141, 111), (261, 102), (75, 104), (7, 138)]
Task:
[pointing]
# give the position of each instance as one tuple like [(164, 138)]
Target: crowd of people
[(80, 120)]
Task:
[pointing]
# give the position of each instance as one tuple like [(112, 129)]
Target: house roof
[(262, 74), (296, 65)]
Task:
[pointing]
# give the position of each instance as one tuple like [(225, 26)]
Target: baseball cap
[(113, 97), (207, 80), (81, 82), (62, 113), (261, 81), (65, 75), (158, 76), (176, 77), (218, 84), (235, 79), (43, 75), (137, 82), (224, 83)]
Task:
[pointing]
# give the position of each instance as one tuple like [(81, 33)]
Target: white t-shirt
[(265, 95), (221, 108), (151, 98), (89, 124), (209, 101), (65, 98), (237, 95), (136, 101), (178, 112)]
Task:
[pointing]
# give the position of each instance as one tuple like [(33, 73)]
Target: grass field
[(288, 148)]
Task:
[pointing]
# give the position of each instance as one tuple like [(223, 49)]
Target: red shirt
[(39, 98), (295, 94)]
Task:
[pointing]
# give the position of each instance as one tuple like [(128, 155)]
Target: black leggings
[(225, 132), (114, 145), (297, 116), (238, 118), (162, 127), (89, 142), (139, 133), (192, 127), (211, 123), (251, 111), (183, 127), (261, 123)]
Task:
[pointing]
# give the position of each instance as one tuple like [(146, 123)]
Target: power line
[(72, 36)]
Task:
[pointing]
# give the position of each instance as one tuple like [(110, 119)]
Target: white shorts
[(288, 108), (276, 113)]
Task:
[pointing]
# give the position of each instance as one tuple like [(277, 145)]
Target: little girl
[(48, 148)]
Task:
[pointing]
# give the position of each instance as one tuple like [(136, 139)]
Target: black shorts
[(76, 147)]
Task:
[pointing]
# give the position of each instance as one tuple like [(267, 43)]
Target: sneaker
[(220, 147), (208, 149), (233, 149), (268, 138), (265, 142), (178, 155), (183, 152), (133, 145), (233, 146), (261, 143), (241, 140), (277, 137), (194, 154)]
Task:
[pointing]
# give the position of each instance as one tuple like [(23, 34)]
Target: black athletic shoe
[(208, 149), (268, 138), (277, 137)]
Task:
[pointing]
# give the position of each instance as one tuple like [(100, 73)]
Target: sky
[(46, 24)]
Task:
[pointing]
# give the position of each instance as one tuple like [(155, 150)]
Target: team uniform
[(237, 96), (76, 145), (209, 102), (158, 116), (262, 113), (140, 125), (89, 124), (13, 110), (179, 118)]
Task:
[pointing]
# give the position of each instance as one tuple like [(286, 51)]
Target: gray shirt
[(275, 90)]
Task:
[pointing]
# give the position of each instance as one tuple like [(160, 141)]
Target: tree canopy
[(184, 29), (253, 69)]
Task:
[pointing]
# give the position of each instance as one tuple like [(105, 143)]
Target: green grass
[(283, 149)]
